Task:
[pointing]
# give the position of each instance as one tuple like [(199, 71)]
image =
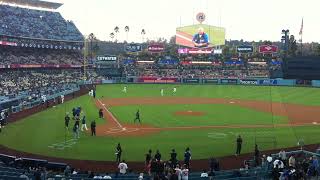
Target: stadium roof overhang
[(34, 3)]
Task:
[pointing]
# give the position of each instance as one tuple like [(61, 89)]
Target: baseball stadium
[(75, 105)]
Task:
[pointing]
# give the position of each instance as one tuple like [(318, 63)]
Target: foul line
[(110, 114)]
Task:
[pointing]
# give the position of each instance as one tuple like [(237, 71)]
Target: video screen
[(200, 36)]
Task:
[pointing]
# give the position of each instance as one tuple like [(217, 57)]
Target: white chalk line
[(113, 118)]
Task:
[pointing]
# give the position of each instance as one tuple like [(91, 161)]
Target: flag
[(301, 28)]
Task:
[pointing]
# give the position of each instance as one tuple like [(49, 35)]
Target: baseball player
[(137, 117), (62, 98), (161, 92), (83, 123), (174, 90), (124, 89)]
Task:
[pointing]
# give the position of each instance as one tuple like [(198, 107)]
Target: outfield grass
[(215, 114), (35, 133)]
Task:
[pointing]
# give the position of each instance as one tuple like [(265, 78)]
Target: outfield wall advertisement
[(200, 36)]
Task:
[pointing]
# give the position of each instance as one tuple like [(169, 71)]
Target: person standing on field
[(100, 113), (137, 117), (162, 92), (124, 89), (67, 120), (83, 123), (239, 145), (62, 98), (93, 128), (187, 157), (118, 153)]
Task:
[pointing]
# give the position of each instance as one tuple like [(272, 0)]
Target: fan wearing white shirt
[(123, 167), (178, 172), (185, 173)]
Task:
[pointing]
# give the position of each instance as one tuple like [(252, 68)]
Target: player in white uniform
[(91, 93), (124, 89), (161, 92), (174, 90), (62, 98)]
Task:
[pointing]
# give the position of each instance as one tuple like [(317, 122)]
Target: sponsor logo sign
[(248, 82), (195, 51), (245, 49), (268, 49), (107, 58), (156, 48), (133, 47)]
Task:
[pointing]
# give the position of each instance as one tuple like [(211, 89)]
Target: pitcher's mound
[(189, 113)]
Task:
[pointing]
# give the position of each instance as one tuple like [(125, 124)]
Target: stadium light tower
[(285, 40)]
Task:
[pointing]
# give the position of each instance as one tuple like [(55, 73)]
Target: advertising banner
[(268, 49), (210, 81), (245, 49), (133, 47), (107, 58), (157, 80), (248, 82), (195, 50), (229, 81), (191, 80), (128, 61), (6, 43), (267, 82), (156, 48)]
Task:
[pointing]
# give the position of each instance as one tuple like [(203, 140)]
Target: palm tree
[(143, 32), (112, 36), (91, 38), (116, 30), (126, 29)]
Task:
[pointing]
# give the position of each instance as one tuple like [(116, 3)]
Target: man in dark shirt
[(157, 156), (148, 157), (93, 128), (187, 157), (100, 113), (173, 158), (67, 120), (239, 145), (137, 117), (118, 153)]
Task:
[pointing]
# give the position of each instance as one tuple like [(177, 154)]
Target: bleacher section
[(30, 23)]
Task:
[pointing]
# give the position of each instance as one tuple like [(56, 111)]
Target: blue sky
[(243, 19)]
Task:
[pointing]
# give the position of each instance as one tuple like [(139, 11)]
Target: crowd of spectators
[(298, 165), (12, 82), (23, 22), (197, 71), (15, 55)]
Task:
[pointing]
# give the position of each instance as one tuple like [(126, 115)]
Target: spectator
[(204, 174), (157, 156), (185, 173), (24, 176), (123, 167), (292, 161)]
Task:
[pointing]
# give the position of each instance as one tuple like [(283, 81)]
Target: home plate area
[(119, 130)]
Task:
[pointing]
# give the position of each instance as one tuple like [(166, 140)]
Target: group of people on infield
[(78, 115)]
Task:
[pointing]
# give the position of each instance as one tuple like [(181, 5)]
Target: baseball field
[(206, 118)]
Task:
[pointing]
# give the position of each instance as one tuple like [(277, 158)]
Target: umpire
[(93, 128)]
